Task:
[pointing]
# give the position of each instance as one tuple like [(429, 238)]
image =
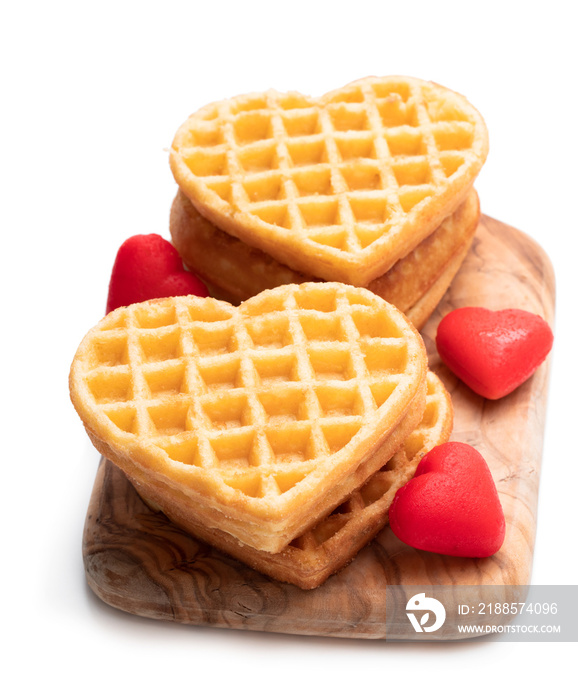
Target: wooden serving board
[(136, 560)]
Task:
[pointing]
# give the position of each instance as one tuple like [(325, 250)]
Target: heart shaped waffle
[(339, 187), (259, 418)]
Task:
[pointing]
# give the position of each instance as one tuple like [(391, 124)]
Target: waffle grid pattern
[(258, 396), (338, 174)]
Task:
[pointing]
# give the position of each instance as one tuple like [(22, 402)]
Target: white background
[(92, 94)]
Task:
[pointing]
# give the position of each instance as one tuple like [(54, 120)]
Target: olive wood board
[(138, 561)]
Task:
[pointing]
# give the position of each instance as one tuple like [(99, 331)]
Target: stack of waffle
[(370, 185), (278, 430), (278, 427)]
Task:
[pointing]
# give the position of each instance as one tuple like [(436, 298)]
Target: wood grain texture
[(136, 560)]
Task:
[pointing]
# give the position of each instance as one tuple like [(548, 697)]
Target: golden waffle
[(237, 271), (310, 559), (260, 418), (339, 187)]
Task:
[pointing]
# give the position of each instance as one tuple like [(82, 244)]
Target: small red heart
[(493, 352), (149, 267), (451, 505)]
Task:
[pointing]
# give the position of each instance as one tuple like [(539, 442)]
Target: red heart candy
[(451, 505), (149, 267), (493, 352)]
